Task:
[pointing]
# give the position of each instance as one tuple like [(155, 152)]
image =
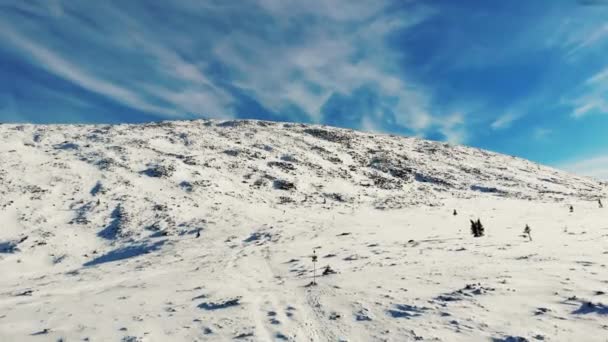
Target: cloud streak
[(503, 121), (63, 68), (289, 56), (591, 96), (596, 167)]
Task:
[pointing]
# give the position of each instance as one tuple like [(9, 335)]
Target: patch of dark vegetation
[(186, 186), (487, 189), (159, 171), (260, 182), (35, 191), (259, 237), (210, 306), (204, 183), (57, 259), (334, 196), (389, 202), (281, 184), (66, 145), (385, 183), (265, 123), (244, 335), (541, 311), (289, 158), (286, 200), (232, 123), (264, 147), (188, 160), (328, 270), (105, 164), (430, 179), (363, 315), (285, 166), (328, 135), (510, 339), (406, 311), (468, 291), (232, 152), (334, 316), (41, 332), (81, 214), (25, 293), (319, 149), (37, 137), (280, 336), (391, 165), (159, 207), (334, 160)]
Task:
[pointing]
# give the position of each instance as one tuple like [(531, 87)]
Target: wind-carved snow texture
[(204, 230)]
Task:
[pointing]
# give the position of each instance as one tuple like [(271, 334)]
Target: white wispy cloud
[(291, 56), (284, 54), (600, 76), (154, 79), (596, 167), (325, 58), (452, 127), (60, 66), (586, 37), (504, 121), (589, 104), (542, 133), (590, 96)]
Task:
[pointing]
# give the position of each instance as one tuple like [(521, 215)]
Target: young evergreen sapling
[(477, 228), (528, 232)]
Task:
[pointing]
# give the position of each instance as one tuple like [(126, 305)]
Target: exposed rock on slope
[(238, 156), (128, 177)]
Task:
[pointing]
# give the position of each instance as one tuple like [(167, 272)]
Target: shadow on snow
[(111, 231), (126, 252), (589, 308)]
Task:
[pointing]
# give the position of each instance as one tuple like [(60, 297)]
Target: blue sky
[(526, 78)]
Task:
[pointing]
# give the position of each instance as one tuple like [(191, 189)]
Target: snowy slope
[(203, 230)]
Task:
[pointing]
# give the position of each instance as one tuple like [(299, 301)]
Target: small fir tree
[(328, 270), (314, 269), (528, 232), (477, 228)]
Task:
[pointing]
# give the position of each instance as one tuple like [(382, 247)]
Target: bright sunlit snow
[(204, 231)]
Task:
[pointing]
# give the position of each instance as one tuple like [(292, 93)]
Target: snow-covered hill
[(203, 230)]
